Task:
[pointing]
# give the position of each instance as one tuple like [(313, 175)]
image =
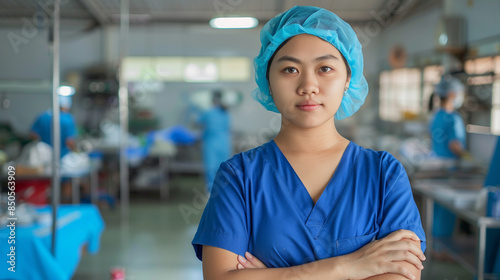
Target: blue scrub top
[(258, 204), (216, 124), (446, 127), (43, 127), (216, 141)]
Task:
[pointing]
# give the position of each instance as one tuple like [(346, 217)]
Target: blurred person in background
[(42, 130), (216, 137), (42, 127), (448, 138), (447, 126)]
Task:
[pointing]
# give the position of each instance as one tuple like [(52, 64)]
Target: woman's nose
[(308, 84)]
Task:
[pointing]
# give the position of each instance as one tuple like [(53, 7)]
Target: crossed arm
[(397, 256)]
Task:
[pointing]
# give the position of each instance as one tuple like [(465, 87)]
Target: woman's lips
[(309, 106)]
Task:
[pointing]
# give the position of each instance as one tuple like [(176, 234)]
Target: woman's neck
[(296, 140)]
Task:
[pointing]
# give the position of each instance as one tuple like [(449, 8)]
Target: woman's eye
[(290, 70), (325, 69)]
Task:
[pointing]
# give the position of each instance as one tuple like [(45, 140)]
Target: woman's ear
[(347, 82)]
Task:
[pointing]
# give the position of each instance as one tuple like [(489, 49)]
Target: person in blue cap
[(447, 126), (42, 126), (310, 204)]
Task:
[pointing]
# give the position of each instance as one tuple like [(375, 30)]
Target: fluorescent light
[(234, 22), (66, 90)]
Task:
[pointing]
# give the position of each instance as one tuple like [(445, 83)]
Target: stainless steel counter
[(461, 250)]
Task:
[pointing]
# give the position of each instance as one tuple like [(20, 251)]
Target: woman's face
[(307, 78)]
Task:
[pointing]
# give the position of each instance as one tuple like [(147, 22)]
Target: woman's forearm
[(396, 256), (322, 269)]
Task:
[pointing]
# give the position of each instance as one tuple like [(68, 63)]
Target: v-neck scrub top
[(258, 204)]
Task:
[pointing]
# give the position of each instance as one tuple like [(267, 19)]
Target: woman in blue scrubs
[(447, 131), (42, 127), (310, 204), (447, 126)]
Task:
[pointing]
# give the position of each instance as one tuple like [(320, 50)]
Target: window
[(495, 110), (479, 65), (484, 87), (190, 69), (400, 94)]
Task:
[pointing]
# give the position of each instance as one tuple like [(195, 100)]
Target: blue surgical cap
[(447, 85), (325, 25)]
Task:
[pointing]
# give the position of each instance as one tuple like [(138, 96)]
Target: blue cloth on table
[(43, 128), (77, 225), (258, 204), (177, 134)]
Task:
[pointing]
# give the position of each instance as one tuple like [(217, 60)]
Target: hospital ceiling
[(107, 12)]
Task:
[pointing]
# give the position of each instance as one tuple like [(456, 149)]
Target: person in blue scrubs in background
[(310, 204), (448, 138), (42, 127), (447, 126), (216, 141), (42, 130)]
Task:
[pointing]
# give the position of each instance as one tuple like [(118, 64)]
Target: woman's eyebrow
[(288, 58), (326, 57), (296, 60)]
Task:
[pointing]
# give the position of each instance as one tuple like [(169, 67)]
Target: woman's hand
[(376, 258), (382, 256), (249, 261)]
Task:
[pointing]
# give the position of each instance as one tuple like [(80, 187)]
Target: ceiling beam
[(96, 11)]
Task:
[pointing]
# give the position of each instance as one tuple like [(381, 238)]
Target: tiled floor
[(155, 243)]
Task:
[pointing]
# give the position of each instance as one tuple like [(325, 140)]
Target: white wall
[(418, 33), (31, 61), (32, 58)]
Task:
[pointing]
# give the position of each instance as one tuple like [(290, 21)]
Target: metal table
[(427, 189)]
